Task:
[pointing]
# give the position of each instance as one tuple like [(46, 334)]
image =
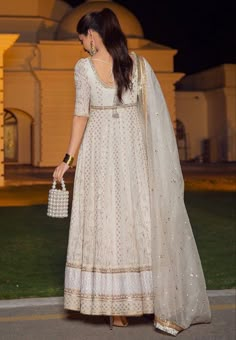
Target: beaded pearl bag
[(58, 201)]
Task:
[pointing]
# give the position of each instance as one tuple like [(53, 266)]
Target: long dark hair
[(106, 24)]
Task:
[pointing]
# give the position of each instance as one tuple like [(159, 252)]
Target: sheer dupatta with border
[(180, 297)]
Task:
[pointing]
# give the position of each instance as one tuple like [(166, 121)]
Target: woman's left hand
[(60, 171)]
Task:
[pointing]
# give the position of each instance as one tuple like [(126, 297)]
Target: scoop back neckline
[(99, 78)]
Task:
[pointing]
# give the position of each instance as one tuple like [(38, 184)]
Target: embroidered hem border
[(167, 326), (108, 305), (77, 292)]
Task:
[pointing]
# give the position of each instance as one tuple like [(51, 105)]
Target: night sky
[(204, 32)]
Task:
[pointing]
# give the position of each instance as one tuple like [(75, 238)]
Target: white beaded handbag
[(58, 201)]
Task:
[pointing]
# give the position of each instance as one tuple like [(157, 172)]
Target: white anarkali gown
[(131, 249), (108, 269)]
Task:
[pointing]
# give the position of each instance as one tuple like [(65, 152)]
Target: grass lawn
[(32, 252), (33, 246), (212, 216)]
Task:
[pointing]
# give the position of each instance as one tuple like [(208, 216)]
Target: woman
[(131, 250)]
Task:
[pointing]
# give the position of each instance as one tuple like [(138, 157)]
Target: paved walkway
[(45, 319)]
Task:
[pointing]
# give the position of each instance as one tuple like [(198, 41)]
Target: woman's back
[(98, 92)]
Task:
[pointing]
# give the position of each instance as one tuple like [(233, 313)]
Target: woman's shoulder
[(81, 65)]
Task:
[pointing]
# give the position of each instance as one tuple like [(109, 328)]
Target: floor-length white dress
[(108, 268)]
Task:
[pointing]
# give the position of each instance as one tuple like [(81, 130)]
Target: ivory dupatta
[(180, 297)]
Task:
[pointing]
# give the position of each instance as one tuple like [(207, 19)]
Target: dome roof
[(129, 23)]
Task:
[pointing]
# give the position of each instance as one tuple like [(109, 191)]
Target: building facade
[(206, 107), (38, 50), (38, 59)]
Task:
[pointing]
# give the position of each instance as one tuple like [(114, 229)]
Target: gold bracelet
[(68, 159)]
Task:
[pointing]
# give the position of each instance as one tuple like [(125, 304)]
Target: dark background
[(204, 32)]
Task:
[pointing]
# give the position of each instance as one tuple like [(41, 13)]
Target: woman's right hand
[(60, 171)]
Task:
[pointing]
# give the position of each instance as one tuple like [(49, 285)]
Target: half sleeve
[(82, 90)]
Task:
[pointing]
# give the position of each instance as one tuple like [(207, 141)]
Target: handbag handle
[(62, 184)]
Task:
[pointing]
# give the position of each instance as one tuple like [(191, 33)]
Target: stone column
[(56, 106), (230, 102), (6, 41)]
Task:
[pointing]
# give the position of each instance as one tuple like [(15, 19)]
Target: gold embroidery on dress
[(77, 292), (112, 107), (108, 270), (168, 324)]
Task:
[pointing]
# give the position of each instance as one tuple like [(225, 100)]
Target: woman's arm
[(77, 131), (81, 114)]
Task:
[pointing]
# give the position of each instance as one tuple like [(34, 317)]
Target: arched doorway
[(17, 136), (10, 137)]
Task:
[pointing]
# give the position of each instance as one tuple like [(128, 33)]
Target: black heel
[(111, 322)]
